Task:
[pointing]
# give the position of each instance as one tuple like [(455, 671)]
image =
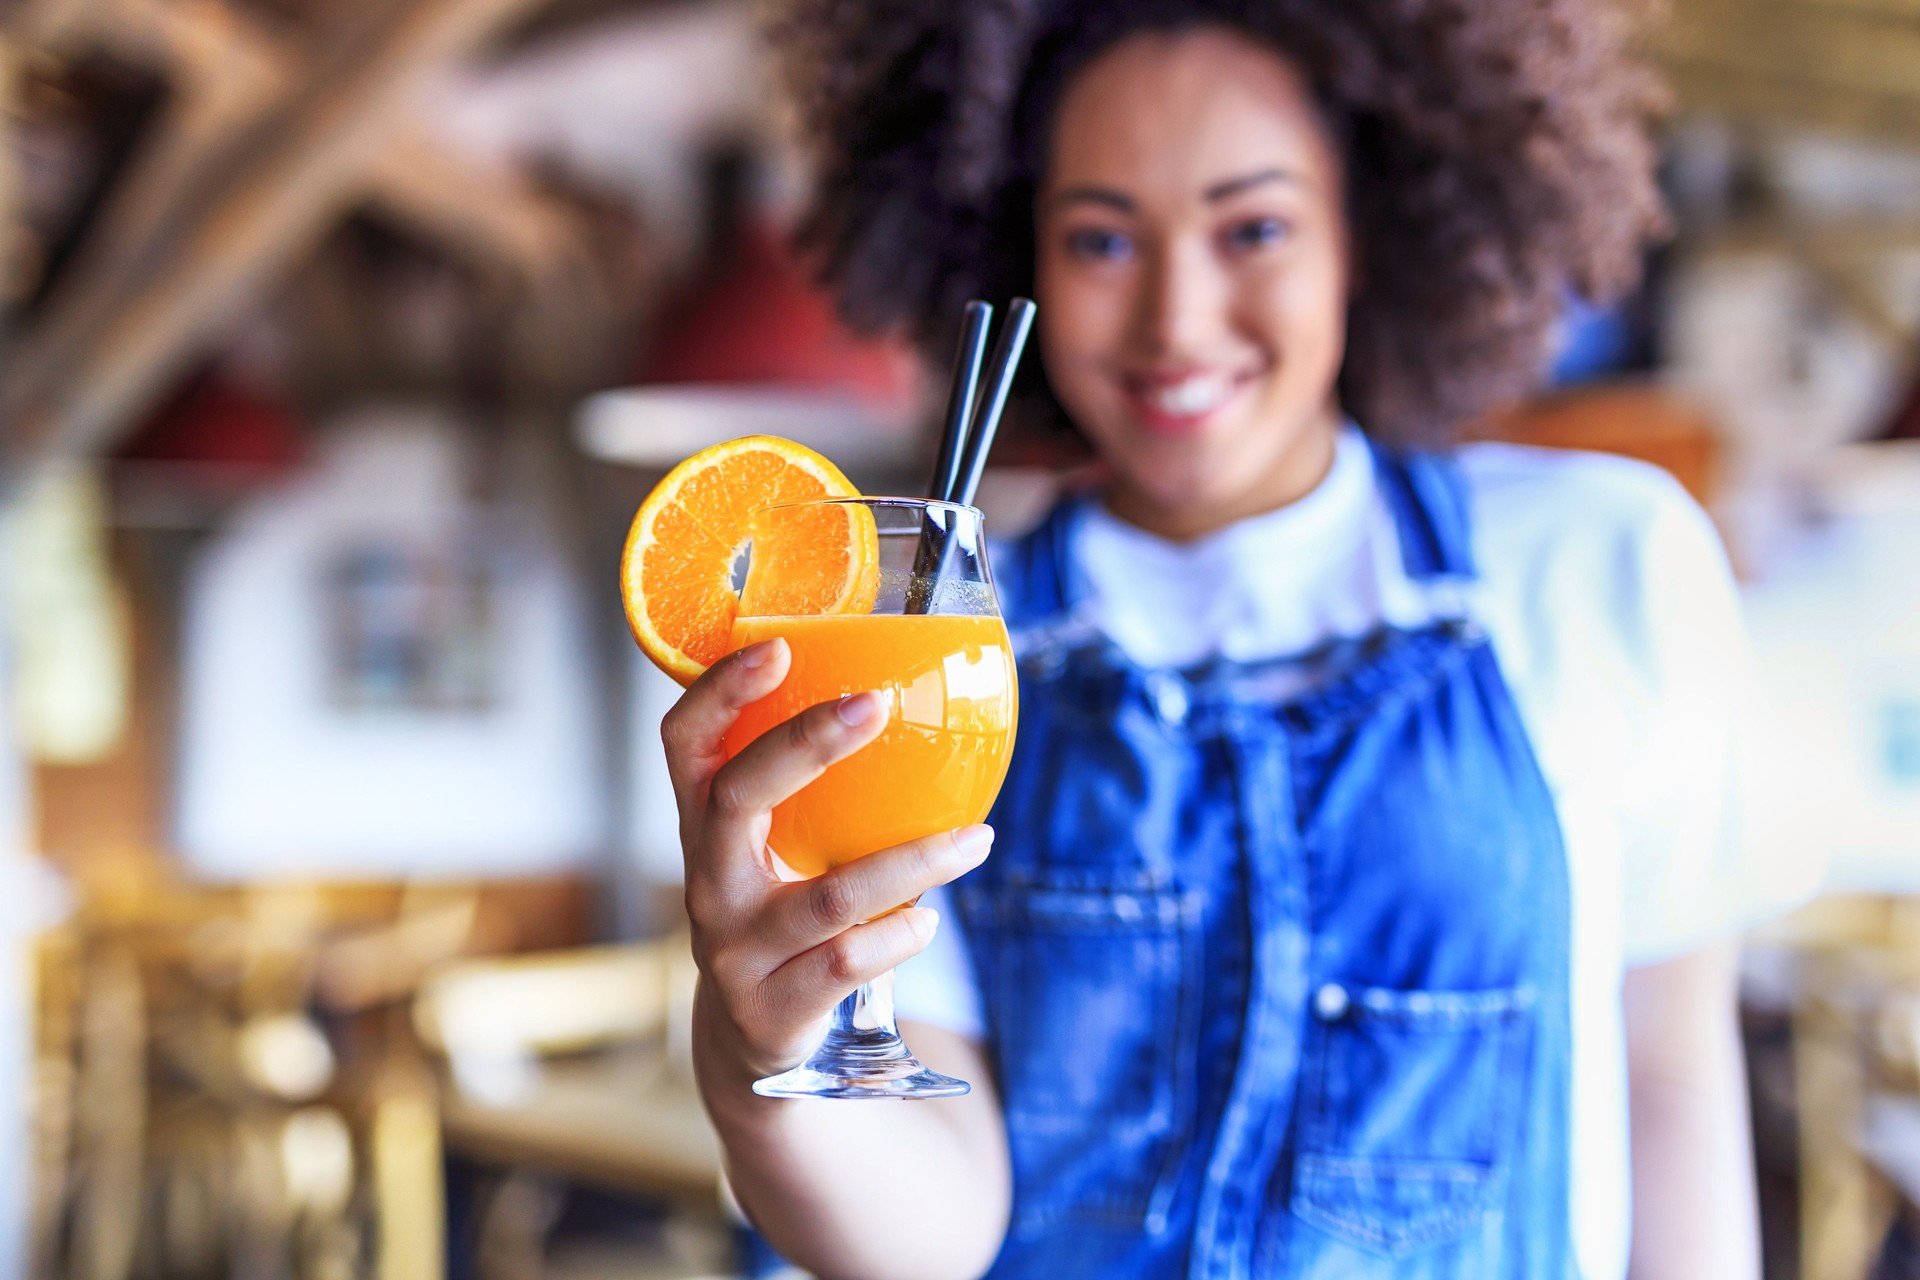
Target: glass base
[(861, 1064), (803, 1082)]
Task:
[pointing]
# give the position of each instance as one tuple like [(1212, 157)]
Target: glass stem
[(868, 1011), (862, 1056)]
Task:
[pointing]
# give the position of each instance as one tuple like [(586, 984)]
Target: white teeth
[(1194, 395)]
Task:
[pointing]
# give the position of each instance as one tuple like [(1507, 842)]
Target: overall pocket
[(1409, 1112), (1093, 999)]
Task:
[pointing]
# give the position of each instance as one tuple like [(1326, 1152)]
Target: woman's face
[(1192, 274)]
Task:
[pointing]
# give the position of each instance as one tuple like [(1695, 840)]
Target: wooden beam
[(1797, 44), (1761, 95), (491, 216), (189, 268), (229, 68), (205, 36), (1898, 10), (1858, 238), (13, 232), (47, 24), (1847, 65), (224, 75)]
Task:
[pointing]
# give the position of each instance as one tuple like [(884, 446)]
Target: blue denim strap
[(1428, 498)]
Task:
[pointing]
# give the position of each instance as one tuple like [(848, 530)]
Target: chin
[(1185, 472), (1181, 496)]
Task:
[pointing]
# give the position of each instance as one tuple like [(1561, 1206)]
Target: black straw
[(930, 554), (970, 426), (961, 398), (1006, 362)]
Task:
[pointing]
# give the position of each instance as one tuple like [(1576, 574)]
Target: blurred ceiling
[(228, 139), (211, 147)]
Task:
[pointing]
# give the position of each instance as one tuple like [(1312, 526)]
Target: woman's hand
[(775, 957)]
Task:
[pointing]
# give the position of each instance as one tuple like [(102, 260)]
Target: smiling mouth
[(1186, 402)]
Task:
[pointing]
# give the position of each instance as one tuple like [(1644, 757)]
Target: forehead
[(1169, 114)]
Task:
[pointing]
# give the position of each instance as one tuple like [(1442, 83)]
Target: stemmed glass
[(934, 644)]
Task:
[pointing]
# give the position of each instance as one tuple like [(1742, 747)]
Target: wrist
[(724, 1062)]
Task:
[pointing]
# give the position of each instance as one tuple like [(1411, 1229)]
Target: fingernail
[(924, 921), (758, 655), (857, 709), (974, 841)]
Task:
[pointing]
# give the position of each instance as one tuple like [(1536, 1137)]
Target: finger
[(693, 730), (808, 913), (781, 761), (814, 981)]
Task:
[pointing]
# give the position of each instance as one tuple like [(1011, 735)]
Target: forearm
[(1694, 1211), (854, 1191)]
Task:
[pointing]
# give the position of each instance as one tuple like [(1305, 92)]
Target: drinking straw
[(961, 398), (1006, 361), (929, 556)]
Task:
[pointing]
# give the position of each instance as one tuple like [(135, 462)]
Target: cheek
[(1077, 304), (1073, 373), (1304, 313), (1080, 322)]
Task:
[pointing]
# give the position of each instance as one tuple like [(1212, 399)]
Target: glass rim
[(906, 504)]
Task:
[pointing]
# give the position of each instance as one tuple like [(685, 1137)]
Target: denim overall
[(1274, 957)]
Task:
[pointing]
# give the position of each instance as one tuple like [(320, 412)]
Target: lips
[(1182, 402)]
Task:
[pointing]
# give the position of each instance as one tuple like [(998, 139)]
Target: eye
[(1096, 244), (1257, 233)]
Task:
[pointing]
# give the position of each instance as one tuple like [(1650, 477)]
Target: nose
[(1180, 302)]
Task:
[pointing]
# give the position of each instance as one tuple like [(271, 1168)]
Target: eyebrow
[(1219, 191), (1096, 195), (1234, 186)]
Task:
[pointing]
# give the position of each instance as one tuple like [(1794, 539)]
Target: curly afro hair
[(1497, 152)]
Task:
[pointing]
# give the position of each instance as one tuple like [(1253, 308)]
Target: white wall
[(275, 778)]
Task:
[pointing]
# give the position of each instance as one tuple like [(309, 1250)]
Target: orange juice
[(952, 704)]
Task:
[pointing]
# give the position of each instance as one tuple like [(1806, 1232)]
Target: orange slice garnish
[(676, 574)]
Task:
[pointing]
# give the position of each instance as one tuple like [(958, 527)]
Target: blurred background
[(339, 924)]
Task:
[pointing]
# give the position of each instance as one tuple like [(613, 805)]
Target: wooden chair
[(1855, 966), (577, 1066)]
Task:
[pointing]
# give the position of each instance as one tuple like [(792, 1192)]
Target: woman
[(1360, 878)]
